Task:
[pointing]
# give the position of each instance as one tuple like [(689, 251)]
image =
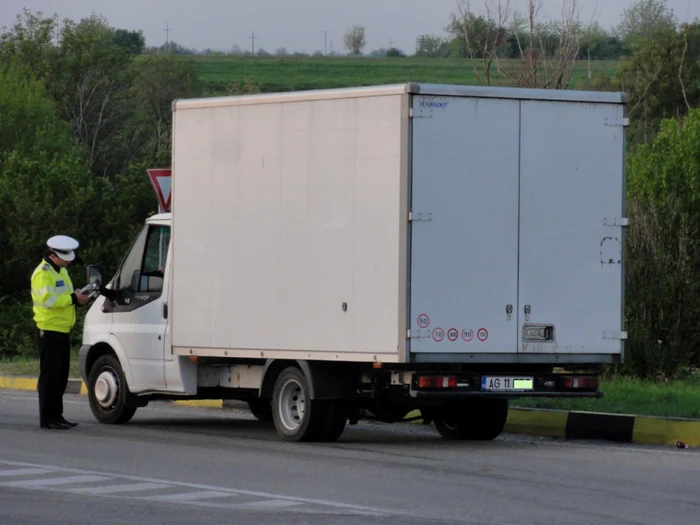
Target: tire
[(261, 409), (338, 418), (107, 392), (297, 417), (474, 419)]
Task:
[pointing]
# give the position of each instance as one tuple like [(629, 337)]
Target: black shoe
[(68, 423), (55, 426)]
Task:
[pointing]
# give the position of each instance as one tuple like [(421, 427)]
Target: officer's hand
[(82, 298)]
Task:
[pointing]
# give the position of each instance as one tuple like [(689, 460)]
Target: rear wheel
[(472, 419), (107, 392), (297, 417), (338, 418)]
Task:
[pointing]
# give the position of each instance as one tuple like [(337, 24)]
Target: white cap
[(63, 246)]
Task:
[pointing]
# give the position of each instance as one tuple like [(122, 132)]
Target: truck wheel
[(338, 418), (474, 419), (261, 409), (107, 392), (297, 417)]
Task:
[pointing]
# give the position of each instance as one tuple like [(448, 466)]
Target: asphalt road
[(184, 465)]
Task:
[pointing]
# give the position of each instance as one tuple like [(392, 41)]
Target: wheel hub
[(106, 388), (291, 405)]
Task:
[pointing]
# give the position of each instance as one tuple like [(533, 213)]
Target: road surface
[(182, 465)]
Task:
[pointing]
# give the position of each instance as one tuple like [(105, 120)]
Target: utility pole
[(252, 38), (391, 43), (167, 34), (325, 42)]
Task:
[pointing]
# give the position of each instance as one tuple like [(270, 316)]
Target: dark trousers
[(54, 363)]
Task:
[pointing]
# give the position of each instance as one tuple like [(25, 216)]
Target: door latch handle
[(509, 311), (165, 310)]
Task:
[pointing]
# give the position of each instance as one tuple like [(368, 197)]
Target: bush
[(663, 250)]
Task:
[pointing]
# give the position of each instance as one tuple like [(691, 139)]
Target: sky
[(298, 25)]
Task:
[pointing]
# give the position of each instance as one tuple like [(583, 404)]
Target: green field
[(294, 74)]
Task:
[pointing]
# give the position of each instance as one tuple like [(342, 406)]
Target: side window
[(128, 275), (153, 268)]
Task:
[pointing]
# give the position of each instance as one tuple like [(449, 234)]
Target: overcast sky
[(297, 25)]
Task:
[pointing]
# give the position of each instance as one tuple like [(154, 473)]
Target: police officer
[(54, 315)]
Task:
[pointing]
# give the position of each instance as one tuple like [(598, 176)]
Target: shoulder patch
[(45, 266)]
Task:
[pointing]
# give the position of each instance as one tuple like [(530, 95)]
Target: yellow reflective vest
[(54, 306)]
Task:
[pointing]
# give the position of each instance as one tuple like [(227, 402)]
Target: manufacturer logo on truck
[(430, 103)]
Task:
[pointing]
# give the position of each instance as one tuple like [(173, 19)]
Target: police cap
[(63, 246)]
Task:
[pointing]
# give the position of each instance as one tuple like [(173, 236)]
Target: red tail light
[(582, 382), (437, 382)]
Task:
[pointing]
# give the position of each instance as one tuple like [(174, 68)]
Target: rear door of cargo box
[(464, 226), (572, 217)]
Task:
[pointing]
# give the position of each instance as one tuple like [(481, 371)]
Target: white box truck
[(363, 253)]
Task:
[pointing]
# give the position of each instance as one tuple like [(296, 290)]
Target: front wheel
[(107, 391), (473, 419)]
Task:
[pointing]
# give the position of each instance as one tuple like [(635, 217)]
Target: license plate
[(506, 384)]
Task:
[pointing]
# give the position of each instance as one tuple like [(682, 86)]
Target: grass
[(275, 74), (633, 396), (25, 366)]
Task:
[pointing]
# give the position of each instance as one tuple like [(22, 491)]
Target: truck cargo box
[(403, 223)]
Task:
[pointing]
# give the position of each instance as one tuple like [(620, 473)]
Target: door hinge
[(616, 221), (616, 122), (615, 335), (408, 333), (416, 217), (410, 112)]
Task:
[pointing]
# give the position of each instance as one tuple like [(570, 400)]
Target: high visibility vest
[(53, 305)]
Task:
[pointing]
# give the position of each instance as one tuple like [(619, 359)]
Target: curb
[(574, 425)]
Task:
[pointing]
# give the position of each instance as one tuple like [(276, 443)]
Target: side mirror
[(94, 275)]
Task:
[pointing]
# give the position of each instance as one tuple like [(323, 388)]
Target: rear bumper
[(451, 394)]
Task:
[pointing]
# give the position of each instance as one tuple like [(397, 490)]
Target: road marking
[(47, 482), (130, 487), (134, 488), (25, 472), (190, 496)]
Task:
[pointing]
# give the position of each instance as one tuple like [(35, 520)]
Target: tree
[(132, 41), (355, 39), (431, 46), (663, 276), (157, 81), (546, 52), (642, 20), (661, 78), (45, 184)]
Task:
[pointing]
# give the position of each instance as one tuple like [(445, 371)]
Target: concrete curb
[(621, 428)]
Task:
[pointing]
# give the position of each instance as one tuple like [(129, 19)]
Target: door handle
[(165, 310)]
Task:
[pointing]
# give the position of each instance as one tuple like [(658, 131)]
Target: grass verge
[(25, 366), (633, 396)]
